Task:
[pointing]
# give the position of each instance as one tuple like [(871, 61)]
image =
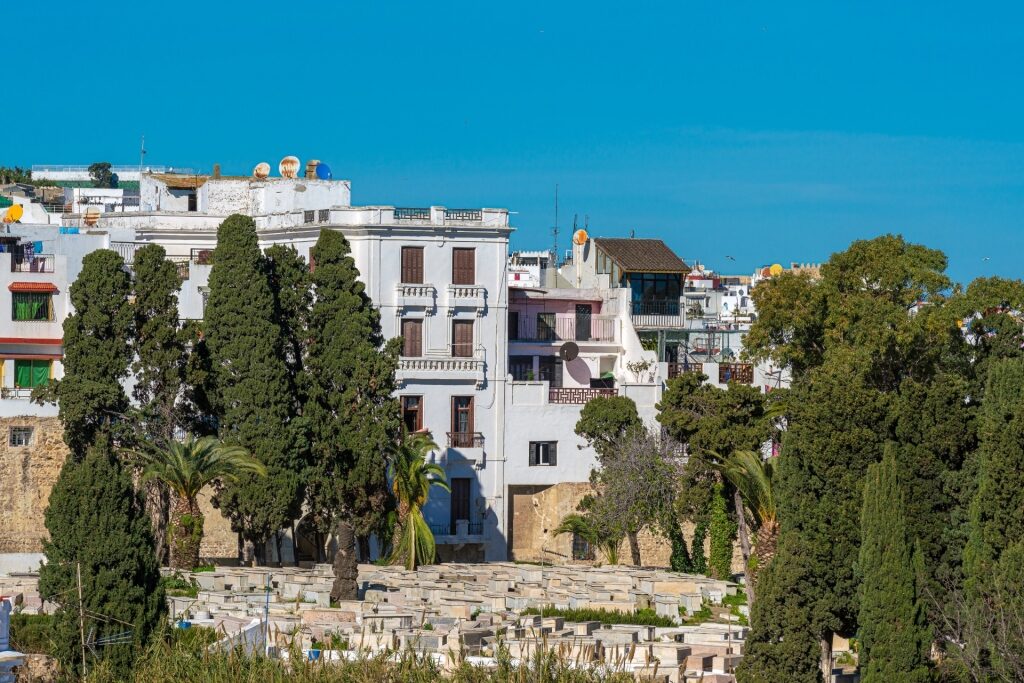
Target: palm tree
[(753, 477), (187, 467), (411, 480), (590, 531)]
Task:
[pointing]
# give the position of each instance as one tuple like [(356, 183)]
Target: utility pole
[(81, 612)]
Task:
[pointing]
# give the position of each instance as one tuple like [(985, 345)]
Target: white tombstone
[(8, 658)]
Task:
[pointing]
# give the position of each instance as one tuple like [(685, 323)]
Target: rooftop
[(636, 255)]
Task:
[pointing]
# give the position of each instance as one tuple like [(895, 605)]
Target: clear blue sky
[(766, 131)]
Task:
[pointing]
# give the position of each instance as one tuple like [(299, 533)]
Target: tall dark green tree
[(252, 391), (722, 529), (97, 352), (159, 367), (97, 524), (290, 282), (894, 640), (853, 340), (351, 410)]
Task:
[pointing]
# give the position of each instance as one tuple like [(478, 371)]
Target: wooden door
[(460, 500), (462, 338), (412, 338)]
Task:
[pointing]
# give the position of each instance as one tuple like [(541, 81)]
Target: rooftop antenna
[(142, 154), (554, 231)]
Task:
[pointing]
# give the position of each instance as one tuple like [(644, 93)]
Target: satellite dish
[(323, 171), (92, 215), (289, 167), (776, 269), (14, 213), (579, 238), (261, 171), (569, 351)]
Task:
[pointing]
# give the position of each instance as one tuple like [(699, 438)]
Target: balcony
[(40, 263), (467, 296), (448, 367), (21, 393), (414, 296), (462, 528), (465, 440), (657, 314), (577, 395), (596, 329), (742, 373)]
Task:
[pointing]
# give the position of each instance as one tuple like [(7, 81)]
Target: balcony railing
[(677, 369), (16, 392), (406, 214), (202, 257), (577, 395), (473, 529), (40, 263), (463, 215), (742, 373), (465, 440), (565, 329)]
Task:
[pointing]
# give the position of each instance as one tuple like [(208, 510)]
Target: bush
[(642, 617), (178, 586), (30, 633)]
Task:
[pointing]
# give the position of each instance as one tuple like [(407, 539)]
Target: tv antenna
[(554, 230), (142, 154)]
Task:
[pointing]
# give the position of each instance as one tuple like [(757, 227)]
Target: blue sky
[(766, 131)]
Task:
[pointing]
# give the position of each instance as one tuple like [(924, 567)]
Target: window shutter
[(463, 266), (553, 453), (412, 265), (412, 333), (533, 453)]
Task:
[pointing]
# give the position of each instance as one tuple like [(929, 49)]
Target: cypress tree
[(253, 395), (893, 637), (289, 279), (159, 367), (722, 529), (351, 410), (96, 520), (97, 352)]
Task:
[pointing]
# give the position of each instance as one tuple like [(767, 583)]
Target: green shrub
[(178, 586), (30, 633), (642, 617)]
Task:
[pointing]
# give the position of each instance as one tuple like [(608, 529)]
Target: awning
[(32, 287)]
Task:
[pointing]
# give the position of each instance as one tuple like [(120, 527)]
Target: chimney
[(216, 170)]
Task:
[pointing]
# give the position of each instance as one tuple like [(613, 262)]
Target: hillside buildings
[(500, 353)]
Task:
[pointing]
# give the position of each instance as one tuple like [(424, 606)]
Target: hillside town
[(330, 436)]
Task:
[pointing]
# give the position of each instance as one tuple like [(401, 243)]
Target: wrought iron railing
[(16, 392), (441, 529), (465, 440), (656, 307), (407, 214), (476, 528), (576, 395), (463, 215), (202, 257), (40, 263)]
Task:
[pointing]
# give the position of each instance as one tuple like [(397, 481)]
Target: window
[(543, 453), (193, 202), (550, 370), (463, 423), (521, 368), (412, 265), (20, 436), (412, 338), (545, 327), (412, 413), (513, 325), (308, 216), (31, 373), (582, 551), (463, 266), (462, 338), (32, 306)]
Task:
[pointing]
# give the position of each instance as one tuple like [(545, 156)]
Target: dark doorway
[(460, 500), (583, 317)]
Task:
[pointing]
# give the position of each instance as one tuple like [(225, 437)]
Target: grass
[(177, 585), (642, 617), (204, 568)]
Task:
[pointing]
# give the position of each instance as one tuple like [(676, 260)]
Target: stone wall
[(28, 473), (535, 511)]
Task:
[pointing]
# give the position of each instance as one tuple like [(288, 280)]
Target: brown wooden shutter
[(412, 336), (553, 453), (464, 266), (412, 265), (533, 453), (462, 338)]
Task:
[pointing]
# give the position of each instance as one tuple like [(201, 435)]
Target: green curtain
[(31, 373), (31, 307)]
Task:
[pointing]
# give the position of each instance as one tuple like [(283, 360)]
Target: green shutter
[(40, 372), (22, 373)]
